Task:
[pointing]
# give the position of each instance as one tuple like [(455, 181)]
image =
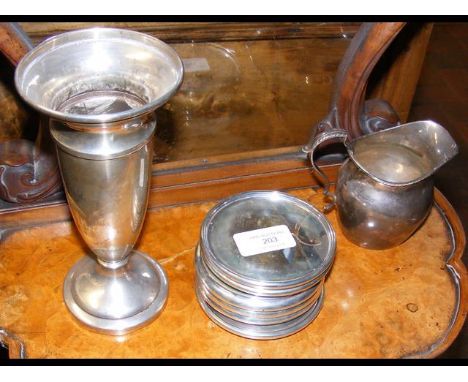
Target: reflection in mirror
[(247, 95), (252, 91)]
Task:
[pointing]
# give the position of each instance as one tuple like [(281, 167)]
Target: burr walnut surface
[(400, 302)]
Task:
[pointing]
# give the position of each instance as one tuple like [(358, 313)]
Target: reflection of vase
[(100, 88)]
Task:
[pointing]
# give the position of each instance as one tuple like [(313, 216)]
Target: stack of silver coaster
[(261, 264)]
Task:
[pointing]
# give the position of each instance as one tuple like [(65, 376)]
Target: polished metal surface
[(262, 291), (248, 301), (384, 190), (404, 154), (277, 290), (303, 264), (98, 60), (377, 216), (252, 317), (116, 301), (108, 199), (262, 332), (100, 88)]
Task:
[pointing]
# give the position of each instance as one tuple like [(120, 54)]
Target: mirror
[(247, 86), (252, 90), (244, 96)]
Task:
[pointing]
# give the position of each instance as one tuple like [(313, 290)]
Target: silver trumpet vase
[(100, 88)]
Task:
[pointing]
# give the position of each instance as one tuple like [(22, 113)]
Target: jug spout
[(404, 154)]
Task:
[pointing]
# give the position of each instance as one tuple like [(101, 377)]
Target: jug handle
[(310, 149)]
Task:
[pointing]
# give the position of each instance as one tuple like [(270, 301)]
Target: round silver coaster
[(246, 311), (261, 332), (301, 260), (252, 302), (250, 317), (116, 301)]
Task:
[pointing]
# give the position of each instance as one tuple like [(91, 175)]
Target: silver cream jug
[(384, 190)]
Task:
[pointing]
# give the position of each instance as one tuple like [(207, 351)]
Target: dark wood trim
[(28, 170), (197, 180), (347, 107), (220, 188), (180, 32), (458, 270), (403, 67), (12, 42), (210, 182), (225, 166), (353, 73)]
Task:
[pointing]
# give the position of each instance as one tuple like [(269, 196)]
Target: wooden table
[(410, 301)]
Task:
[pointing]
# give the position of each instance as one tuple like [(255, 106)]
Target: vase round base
[(116, 301)]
